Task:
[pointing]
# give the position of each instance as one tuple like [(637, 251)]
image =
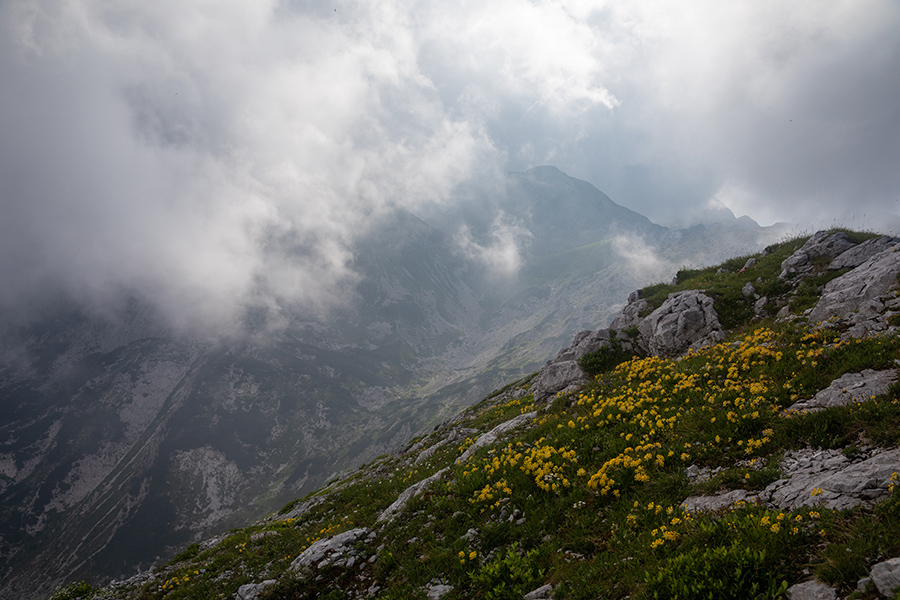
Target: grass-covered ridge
[(587, 495)]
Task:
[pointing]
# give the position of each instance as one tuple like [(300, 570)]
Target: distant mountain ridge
[(119, 429)]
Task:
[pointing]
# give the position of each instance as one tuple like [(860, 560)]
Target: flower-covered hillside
[(660, 478)]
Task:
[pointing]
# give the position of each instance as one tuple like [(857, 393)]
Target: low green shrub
[(509, 575), (605, 359), (75, 591), (714, 573)]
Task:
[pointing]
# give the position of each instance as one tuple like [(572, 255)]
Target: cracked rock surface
[(336, 550), (851, 387), (829, 479)]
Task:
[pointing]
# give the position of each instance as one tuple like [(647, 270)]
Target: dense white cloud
[(214, 155)]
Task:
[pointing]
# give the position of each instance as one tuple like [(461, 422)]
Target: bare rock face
[(630, 315), (556, 377), (863, 292), (822, 245), (685, 320), (251, 591), (812, 590), (860, 253), (886, 577), (336, 550), (831, 480), (717, 502), (851, 387), (562, 370)]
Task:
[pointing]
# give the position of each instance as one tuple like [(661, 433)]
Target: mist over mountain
[(120, 425)]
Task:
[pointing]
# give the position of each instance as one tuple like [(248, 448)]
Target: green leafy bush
[(75, 591), (715, 573), (605, 359), (509, 575)]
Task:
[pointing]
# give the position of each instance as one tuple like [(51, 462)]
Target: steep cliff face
[(115, 428)]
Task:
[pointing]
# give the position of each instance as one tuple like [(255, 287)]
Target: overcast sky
[(211, 153)]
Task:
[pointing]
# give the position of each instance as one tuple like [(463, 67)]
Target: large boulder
[(886, 577), (685, 320), (630, 315), (812, 590), (864, 290), (824, 245), (338, 550), (562, 371)]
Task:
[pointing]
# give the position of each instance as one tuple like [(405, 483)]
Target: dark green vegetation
[(587, 495)]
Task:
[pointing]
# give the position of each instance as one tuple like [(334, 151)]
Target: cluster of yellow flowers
[(498, 490), (471, 556), (658, 394), (324, 532)]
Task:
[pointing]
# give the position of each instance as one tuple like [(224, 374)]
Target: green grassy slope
[(586, 496)]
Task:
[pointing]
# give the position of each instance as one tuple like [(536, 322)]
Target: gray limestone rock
[(822, 245), (886, 577), (436, 591), (251, 591), (812, 590), (336, 550), (748, 291), (851, 387), (545, 592), (556, 377), (562, 371), (831, 480), (409, 493), (859, 254), (494, 434), (861, 289), (630, 315), (722, 500), (685, 320)]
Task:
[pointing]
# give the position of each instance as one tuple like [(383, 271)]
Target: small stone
[(812, 590), (251, 591), (545, 592), (436, 592)]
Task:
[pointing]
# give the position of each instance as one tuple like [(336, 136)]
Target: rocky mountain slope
[(733, 434), (117, 428)]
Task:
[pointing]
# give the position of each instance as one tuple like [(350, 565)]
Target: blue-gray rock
[(822, 245), (408, 494), (685, 320), (336, 550), (859, 254), (851, 387), (812, 590), (886, 577), (862, 290), (251, 591), (545, 592)]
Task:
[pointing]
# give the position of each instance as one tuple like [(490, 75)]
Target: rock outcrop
[(862, 295), (823, 246), (338, 550), (851, 387), (886, 577), (857, 255), (685, 320), (812, 590)]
